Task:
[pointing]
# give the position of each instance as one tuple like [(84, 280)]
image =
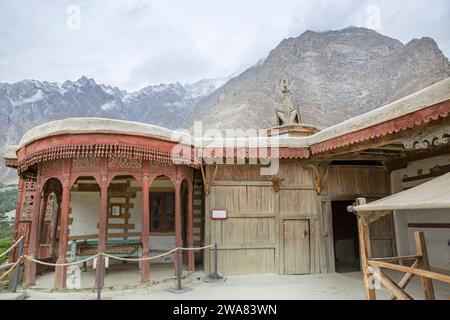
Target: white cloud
[(134, 43)]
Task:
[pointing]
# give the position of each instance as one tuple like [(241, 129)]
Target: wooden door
[(296, 247)]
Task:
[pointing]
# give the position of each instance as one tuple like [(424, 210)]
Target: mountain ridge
[(333, 75)]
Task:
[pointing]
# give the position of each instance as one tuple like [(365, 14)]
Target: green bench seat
[(126, 248)]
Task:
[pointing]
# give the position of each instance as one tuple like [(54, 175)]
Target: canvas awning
[(434, 194)]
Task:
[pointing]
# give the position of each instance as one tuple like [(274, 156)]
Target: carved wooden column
[(61, 272), (190, 223), (15, 237), (103, 212), (145, 265), (30, 267), (178, 237)]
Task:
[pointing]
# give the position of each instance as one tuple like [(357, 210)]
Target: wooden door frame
[(326, 217), (311, 220)]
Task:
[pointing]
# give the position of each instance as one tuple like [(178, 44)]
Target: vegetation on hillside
[(4, 245), (8, 201)]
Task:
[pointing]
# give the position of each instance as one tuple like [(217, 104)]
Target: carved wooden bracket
[(207, 184), (319, 178), (276, 182), (427, 138)]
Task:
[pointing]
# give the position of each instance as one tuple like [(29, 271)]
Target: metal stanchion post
[(179, 270), (215, 276), (179, 288), (15, 279), (99, 276)]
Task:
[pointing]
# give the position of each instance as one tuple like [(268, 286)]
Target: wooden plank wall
[(251, 238), (247, 239), (299, 200)]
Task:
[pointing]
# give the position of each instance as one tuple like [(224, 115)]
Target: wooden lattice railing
[(419, 266)]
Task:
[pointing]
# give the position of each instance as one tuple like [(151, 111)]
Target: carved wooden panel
[(124, 162), (24, 230), (85, 163), (48, 167), (26, 214)]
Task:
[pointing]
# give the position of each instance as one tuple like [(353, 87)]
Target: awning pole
[(365, 252)]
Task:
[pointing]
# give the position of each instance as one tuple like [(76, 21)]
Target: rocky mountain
[(333, 75), (28, 103)]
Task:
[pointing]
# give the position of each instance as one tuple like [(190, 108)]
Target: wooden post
[(13, 254), (145, 265), (30, 267), (60, 272), (103, 216), (365, 253), (190, 224), (424, 263)]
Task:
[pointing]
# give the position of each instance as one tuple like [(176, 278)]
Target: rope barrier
[(198, 248), (141, 259), (115, 257), (61, 264), (12, 268), (12, 247), (157, 256)]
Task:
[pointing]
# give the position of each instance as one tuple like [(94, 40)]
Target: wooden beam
[(393, 147), (391, 151), (355, 156), (119, 225), (397, 259), (122, 205), (421, 248), (414, 155), (405, 280), (429, 225), (415, 271), (122, 194), (398, 292)]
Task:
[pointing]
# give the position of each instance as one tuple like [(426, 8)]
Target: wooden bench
[(83, 249)]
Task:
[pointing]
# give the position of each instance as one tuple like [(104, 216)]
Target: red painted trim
[(11, 163), (95, 144), (408, 121)]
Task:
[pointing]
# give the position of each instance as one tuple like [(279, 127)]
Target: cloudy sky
[(134, 43)]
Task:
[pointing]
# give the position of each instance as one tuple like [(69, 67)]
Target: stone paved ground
[(342, 286)]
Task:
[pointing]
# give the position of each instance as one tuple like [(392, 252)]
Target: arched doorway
[(162, 219), (49, 220), (123, 229)]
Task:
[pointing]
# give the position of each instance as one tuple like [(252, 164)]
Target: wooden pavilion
[(117, 183)]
